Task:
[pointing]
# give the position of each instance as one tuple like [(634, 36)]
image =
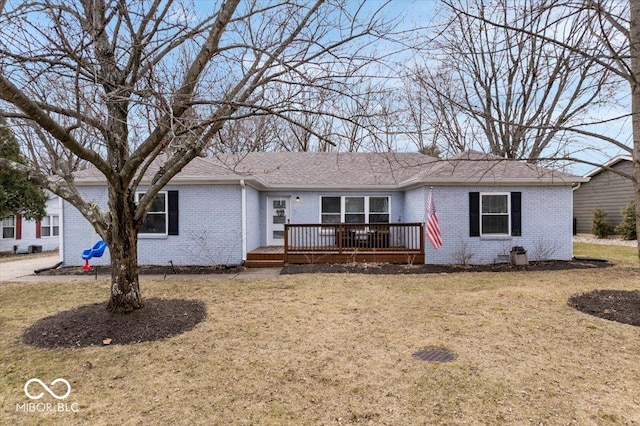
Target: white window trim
[(166, 215), (50, 226), (15, 226), (496, 236), (343, 213)]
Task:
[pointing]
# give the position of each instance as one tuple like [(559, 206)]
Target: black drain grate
[(435, 355)]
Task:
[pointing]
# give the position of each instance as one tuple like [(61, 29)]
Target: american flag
[(432, 230)]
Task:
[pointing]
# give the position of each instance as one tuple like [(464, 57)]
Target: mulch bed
[(389, 268), (615, 305), (354, 268), (147, 270), (95, 325)]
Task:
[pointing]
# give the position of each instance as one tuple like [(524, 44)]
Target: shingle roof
[(332, 169), (478, 167), (357, 170)]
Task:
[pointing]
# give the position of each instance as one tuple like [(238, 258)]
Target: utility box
[(518, 256)]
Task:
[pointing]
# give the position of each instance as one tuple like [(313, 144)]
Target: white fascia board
[(351, 188), (610, 163), (191, 180), (495, 182)]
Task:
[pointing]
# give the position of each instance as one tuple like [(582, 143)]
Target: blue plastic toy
[(96, 251)]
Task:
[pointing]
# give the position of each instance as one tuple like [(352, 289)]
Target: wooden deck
[(273, 256), (344, 243)]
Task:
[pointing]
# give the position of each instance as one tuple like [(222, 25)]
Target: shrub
[(599, 228), (628, 226)]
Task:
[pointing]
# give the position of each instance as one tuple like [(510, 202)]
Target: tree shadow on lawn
[(92, 325)]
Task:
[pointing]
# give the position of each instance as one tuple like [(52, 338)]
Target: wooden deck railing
[(345, 238)]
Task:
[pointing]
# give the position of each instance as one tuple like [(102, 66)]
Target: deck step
[(264, 263)]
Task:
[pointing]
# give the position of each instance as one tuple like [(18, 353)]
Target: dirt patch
[(388, 268), (93, 325), (615, 305)]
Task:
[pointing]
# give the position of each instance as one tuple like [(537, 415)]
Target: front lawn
[(620, 255), (337, 349)]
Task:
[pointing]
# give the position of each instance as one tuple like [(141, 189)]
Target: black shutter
[(516, 214), (474, 214), (173, 212)]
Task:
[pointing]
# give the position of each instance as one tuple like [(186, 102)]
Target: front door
[(278, 216)]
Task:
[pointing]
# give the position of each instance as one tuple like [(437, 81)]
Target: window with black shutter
[(495, 214), (174, 227)]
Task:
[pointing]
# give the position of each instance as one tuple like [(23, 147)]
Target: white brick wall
[(307, 210), (210, 229), (253, 219), (210, 224), (546, 225)]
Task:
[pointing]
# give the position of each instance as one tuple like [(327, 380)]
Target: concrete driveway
[(22, 267)]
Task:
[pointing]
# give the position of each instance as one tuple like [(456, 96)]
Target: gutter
[(243, 209)]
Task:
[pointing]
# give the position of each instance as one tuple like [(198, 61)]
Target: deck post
[(286, 241)]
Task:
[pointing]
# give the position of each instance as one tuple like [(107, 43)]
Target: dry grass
[(621, 255), (337, 349)]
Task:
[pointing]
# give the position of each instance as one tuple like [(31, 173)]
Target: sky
[(427, 15)]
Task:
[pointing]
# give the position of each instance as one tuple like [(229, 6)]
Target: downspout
[(61, 229), (244, 220), (573, 189)]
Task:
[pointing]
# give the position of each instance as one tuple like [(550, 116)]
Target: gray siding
[(607, 191)]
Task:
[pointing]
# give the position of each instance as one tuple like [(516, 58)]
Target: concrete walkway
[(12, 269), (22, 271)]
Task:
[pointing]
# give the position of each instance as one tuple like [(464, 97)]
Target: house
[(605, 190), (19, 235), (263, 207)]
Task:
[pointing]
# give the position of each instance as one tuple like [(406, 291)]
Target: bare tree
[(156, 81), (614, 31), (511, 93), (432, 121)]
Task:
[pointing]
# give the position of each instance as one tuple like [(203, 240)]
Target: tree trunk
[(125, 287), (634, 45), (123, 248)]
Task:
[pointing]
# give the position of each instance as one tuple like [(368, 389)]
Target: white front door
[(277, 217)]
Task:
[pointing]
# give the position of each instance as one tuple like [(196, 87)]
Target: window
[(330, 210), (495, 214), (50, 226), (349, 209), (354, 210), (379, 210), (9, 227), (156, 220)]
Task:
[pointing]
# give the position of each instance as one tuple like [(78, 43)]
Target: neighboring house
[(20, 235), (343, 207), (605, 190)]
